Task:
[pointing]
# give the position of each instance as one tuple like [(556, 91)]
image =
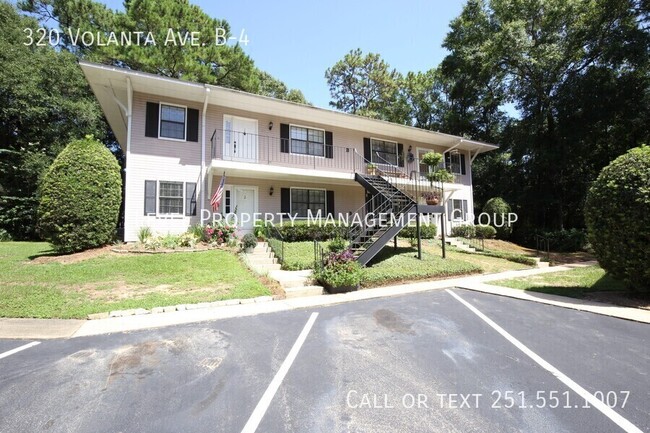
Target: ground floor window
[(169, 198), (457, 210), (303, 200)]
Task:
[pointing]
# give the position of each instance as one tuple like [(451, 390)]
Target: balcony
[(246, 149)]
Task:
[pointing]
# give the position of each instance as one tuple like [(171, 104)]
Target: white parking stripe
[(265, 401), (595, 402), (18, 349)]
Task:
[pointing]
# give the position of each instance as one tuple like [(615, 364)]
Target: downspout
[(129, 122), (203, 120)]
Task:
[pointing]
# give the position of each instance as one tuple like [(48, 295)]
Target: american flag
[(218, 194)]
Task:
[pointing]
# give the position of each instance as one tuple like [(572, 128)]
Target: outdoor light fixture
[(270, 125), (270, 189)]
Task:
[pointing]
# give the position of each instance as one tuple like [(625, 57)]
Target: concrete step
[(293, 282), (267, 267), (297, 292), (261, 260)]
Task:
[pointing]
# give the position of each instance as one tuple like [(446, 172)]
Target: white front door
[(245, 206), (239, 139)]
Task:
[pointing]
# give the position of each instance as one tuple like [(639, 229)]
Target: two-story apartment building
[(278, 157)]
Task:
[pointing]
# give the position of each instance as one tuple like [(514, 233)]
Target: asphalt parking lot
[(440, 361)]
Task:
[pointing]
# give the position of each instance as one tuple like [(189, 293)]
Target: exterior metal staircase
[(386, 214)]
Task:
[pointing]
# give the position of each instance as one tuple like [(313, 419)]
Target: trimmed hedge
[(485, 231), (300, 231), (617, 213), (427, 231), (463, 231), (567, 240), (80, 197)]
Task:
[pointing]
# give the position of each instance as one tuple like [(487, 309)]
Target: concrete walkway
[(42, 329)]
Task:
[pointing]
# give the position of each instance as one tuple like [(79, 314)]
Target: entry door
[(240, 139), (245, 204)]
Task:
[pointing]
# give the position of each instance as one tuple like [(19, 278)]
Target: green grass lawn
[(116, 282), (299, 255), (390, 266), (573, 283)]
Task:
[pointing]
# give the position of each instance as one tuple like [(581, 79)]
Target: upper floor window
[(383, 151), (172, 121), (307, 141)]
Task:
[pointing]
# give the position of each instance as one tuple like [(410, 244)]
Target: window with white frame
[(172, 121), (170, 198), (383, 151), (457, 210), (454, 163), (307, 141), (304, 200)]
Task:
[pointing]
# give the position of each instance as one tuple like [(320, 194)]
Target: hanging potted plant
[(435, 173), (340, 273), (431, 198)]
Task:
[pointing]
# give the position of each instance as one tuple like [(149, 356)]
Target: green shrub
[(169, 241), (259, 230), (144, 233), (301, 231), (219, 233), (617, 213), (187, 240), (463, 231), (4, 235), (498, 210), (427, 231), (197, 231), (567, 240), (485, 231), (339, 269), (249, 241), (80, 197), (337, 245)]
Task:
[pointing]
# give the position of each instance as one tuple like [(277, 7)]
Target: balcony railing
[(261, 149)]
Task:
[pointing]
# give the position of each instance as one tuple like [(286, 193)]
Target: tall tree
[(44, 103), (271, 86), (556, 60), (365, 85)]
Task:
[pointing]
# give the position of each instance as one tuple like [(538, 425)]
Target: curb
[(181, 307)]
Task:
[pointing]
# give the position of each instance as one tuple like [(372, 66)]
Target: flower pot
[(249, 250), (432, 201), (340, 289)]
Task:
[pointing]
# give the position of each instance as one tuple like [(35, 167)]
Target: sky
[(297, 40)]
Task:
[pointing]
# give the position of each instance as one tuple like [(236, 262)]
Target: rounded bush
[(485, 231), (464, 231), (617, 213), (498, 210), (80, 197)]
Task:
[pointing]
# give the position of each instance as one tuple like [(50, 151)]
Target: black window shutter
[(329, 148), (149, 197), (400, 154), (366, 149), (462, 163), (330, 203), (285, 201), (192, 124), (284, 138), (151, 123), (448, 161), (190, 199)]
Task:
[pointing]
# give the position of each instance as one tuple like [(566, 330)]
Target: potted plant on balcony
[(436, 174), (432, 198), (249, 242), (371, 168), (340, 273)]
